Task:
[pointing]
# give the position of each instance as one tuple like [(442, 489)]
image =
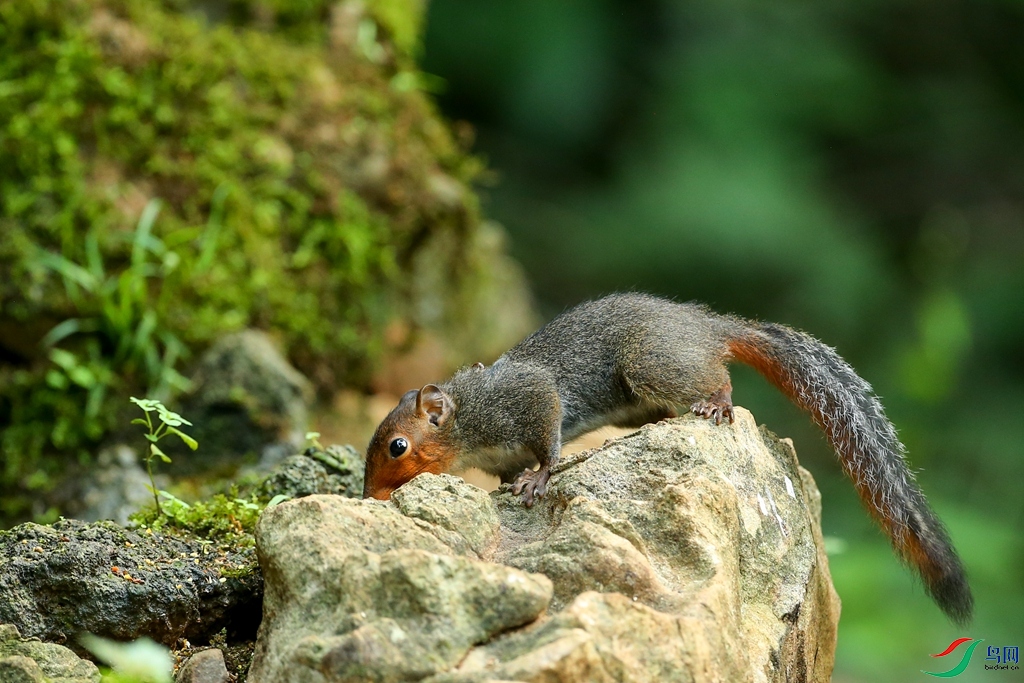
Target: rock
[(20, 669), (461, 516), (113, 489), (58, 581), (247, 401), (205, 666), (711, 533), (30, 661), (338, 470), (685, 551), (356, 591)]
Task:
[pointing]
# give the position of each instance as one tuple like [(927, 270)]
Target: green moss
[(223, 518), (242, 571), (170, 176)]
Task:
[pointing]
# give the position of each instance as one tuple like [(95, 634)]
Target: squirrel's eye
[(398, 447)]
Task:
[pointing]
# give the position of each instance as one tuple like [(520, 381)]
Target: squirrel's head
[(411, 440)]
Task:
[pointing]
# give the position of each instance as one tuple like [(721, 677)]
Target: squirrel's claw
[(713, 410), (530, 484), (718, 406)]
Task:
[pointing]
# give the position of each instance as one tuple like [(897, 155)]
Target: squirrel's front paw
[(530, 484)]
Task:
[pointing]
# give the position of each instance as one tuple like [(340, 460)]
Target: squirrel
[(630, 359)]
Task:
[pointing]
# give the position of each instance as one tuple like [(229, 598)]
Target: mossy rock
[(175, 171), (59, 581)]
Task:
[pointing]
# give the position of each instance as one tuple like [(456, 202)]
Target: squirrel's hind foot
[(530, 484), (718, 406)]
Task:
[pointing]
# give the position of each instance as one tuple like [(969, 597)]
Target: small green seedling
[(314, 439), (169, 422)]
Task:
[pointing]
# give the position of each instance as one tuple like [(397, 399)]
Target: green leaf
[(213, 228), (279, 498), (189, 441), (147, 404), (173, 498), (144, 331), (94, 402), (171, 418), (139, 421), (62, 330), (155, 450), (93, 257), (57, 380), (142, 232), (69, 270), (82, 376), (140, 660), (65, 359)]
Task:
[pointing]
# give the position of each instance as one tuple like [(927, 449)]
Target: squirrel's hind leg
[(662, 371), (717, 406)]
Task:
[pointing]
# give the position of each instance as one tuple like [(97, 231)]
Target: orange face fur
[(408, 442)]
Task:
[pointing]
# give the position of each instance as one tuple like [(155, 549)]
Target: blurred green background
[(852, 169)]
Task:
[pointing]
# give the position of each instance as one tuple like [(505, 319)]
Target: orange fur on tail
[(844, 406)]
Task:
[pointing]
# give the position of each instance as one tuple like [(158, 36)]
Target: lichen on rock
[(337, 469), (27, 660)]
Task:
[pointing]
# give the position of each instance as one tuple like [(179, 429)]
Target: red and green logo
[(964, 661)]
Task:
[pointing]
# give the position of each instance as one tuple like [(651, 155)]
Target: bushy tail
[(815, 378)]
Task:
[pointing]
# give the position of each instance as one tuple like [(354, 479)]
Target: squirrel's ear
[(433, 404)]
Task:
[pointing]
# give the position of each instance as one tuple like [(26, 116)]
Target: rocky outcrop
[(59, 581), (247, 400), (26, 660), (361, 592), (686, 551), (337, 469)]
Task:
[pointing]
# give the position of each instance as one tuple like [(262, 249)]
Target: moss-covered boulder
[(174, 170), (336, 469), (58, 582)]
